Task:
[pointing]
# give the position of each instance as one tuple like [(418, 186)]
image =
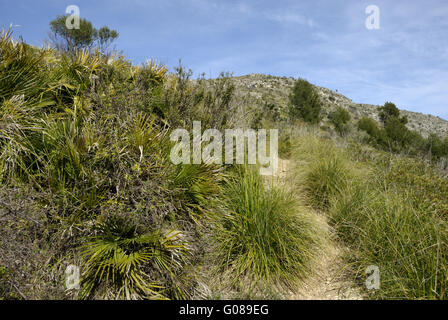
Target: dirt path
[(330, 279)]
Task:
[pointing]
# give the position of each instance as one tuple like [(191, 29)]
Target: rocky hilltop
[(261, 89)]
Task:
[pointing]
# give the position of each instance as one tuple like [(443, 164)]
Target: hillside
[(271, 89), (93, 206)]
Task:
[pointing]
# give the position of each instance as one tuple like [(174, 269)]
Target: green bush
[(437, 147), (4, 287), (370, 127), (396, 137), (273, 111), (305, 103), (389, 110), (397, 134), (194, 186), (340, 119)]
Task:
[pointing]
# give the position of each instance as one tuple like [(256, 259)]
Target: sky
[(327, 42)]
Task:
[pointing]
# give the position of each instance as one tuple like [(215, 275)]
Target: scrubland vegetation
[(382, 209), (86, 180)]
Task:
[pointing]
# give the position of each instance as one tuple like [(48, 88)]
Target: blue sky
[(325, 42)]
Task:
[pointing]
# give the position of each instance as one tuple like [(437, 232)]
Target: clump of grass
[(380, 210), (263, 233), (407, 244), (429, 187), (322, 171), (343, 208), (325, 179)]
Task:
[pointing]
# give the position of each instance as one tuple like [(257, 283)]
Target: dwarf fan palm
[(123, 260)]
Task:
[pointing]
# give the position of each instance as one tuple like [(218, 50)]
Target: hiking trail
[(329, 279)]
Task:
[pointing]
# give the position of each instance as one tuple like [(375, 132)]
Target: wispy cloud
[(288, 17), (406, 61)]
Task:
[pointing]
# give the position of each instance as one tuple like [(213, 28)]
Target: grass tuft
[(263, 232)]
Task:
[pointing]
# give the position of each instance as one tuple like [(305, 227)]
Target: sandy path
[(329, 280)]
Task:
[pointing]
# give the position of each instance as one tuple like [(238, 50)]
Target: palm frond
[(121, 258)]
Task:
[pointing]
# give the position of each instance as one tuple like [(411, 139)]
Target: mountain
[(261, 89)]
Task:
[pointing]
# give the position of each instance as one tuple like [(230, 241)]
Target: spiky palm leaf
[(198, 182), (22, 70), (122, 257)]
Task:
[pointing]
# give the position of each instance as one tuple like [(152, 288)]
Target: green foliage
[(208, 101), (391, 214), (5, 293), (151, 75), (305, 103), (23, 73), (388, 111), (325, 174), (406, 242), (6, 287), (72, 39), (85, 134), (85, 37), (273, 111), (122, 257), (397, 134), (105, 37), (76, 71), (284, 145), (340, 119), (193, 187), (143, 135), (325, 179), (436, 146), (396, 137), (197, 182), (370, 127), (426, 187), (262, 233)]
